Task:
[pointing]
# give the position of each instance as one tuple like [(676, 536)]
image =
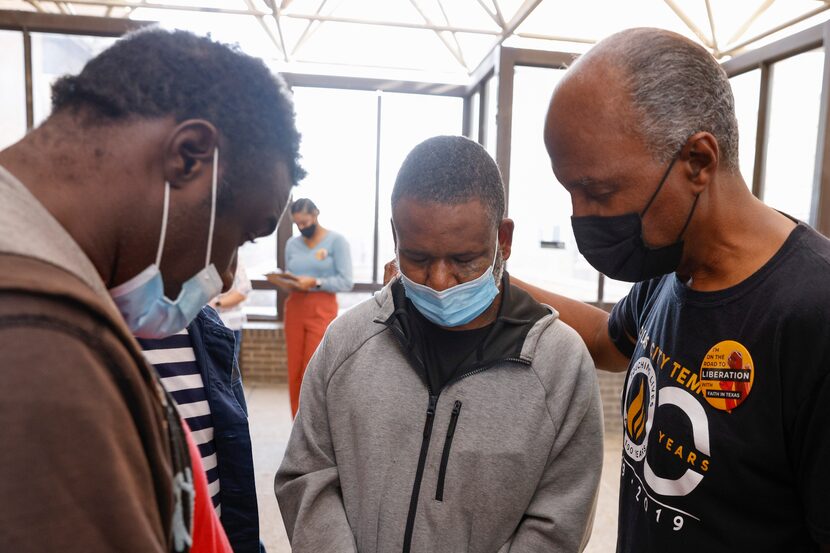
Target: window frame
[(763, 59)]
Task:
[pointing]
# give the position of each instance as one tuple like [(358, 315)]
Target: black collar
[(517, 314)]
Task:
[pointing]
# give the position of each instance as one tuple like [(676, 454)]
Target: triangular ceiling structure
[(446, 38)]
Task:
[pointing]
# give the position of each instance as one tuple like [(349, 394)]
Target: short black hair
[(451, 170), (304, 205), (157, 73)]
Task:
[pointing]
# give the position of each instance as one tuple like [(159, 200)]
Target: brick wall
[(262, 357), (263, 361)]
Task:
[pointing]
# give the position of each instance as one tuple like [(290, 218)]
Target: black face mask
[(614, 246), (308, 232)]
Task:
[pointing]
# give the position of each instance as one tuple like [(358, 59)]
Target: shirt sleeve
[(241, 282), (341, 280), (76, 477), (624, 321)]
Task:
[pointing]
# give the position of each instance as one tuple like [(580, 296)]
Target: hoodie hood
[(512, 336)]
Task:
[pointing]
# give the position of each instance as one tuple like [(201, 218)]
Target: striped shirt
[(175, 362)]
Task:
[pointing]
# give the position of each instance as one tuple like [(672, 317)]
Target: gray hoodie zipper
[(419, 474), (428, 423), (445, 456)]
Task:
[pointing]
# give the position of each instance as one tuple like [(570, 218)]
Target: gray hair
[(677, 89), (451, 170)]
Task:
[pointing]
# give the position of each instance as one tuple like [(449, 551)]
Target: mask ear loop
[(496, 253), (662, 182), (285, 209), (165, 211), (689, 218), (212, 205)]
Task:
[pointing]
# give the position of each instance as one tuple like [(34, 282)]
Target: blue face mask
[(141, 300), (454, 306)]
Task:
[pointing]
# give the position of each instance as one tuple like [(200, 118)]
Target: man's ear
[(394, 233), (702, 158), (188, 156), (506, 237)]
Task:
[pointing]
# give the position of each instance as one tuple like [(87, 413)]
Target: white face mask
[(141, 299)]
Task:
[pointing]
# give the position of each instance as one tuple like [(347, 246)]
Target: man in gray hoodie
[(451, 412)]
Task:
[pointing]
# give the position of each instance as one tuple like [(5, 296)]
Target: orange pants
[(307, 315)]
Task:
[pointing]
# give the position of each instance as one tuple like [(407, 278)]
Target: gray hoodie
[(506, 457)]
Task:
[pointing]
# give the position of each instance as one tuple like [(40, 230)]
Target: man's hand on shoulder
[(591, 323)]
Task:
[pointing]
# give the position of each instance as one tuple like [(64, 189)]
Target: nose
[(440, 276), (578, 206)]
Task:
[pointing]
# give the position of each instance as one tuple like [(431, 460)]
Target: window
[(491, 108), (475, 110), (338, 146), (795, 94), (746, 89), (406, 121), (338, 130), (544, 249), (259, 258), (54, 56), (12, 89)]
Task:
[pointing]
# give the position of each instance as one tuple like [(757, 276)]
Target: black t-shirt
[(726, 409), (446, 350)]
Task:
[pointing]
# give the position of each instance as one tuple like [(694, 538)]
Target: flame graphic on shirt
[(636, 416)]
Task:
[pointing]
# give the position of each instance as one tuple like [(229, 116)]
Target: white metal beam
[(748, 23), (712, 24), (310, 28), (492, 15), (689, 23), (736, 48), (37, 5), (398, 24), (557, 38), (499, 14), (161, 6), (265, 27), (275, 13), (304, 17), (518, 18), (454, 35), (455, 53), (458, 50)]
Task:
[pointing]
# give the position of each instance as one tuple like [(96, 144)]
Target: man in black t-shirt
[(726, 335)]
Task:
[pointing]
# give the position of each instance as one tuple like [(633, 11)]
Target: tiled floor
[(271, 424)]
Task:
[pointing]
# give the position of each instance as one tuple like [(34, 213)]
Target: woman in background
[(318, 265), (230, 305)]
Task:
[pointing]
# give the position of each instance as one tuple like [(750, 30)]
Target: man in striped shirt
[(198, 367)]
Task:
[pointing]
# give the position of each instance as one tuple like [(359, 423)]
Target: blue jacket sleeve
[(342, 280)]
